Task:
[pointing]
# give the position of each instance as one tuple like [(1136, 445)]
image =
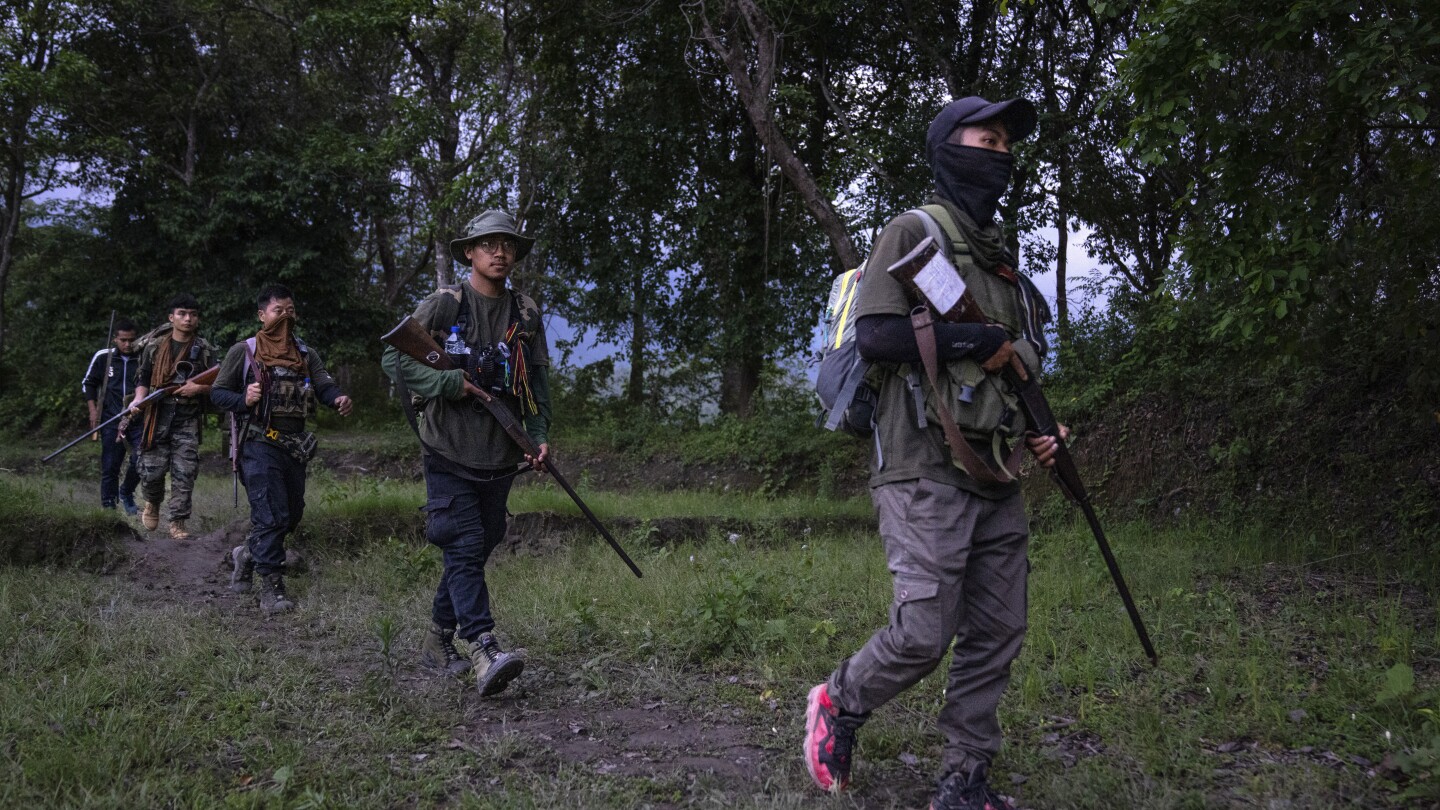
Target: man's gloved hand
[(999, 359), (988, 345)]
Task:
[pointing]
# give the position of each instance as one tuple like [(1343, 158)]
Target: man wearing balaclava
[(269, 384), (953, 523)]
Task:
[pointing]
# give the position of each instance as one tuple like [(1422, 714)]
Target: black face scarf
[(972, 178)]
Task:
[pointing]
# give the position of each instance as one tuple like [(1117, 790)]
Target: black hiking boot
[(272, 594), (438, 651), (494, 668), (960, 792)]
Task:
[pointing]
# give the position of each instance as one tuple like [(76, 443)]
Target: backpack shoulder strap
[(459, 317), (518, 303), (250, 364), (940, 227)]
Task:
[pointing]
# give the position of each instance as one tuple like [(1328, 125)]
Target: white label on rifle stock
[(940, 283)]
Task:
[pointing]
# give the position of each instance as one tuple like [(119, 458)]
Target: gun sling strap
[(923, 322), (960, 450)]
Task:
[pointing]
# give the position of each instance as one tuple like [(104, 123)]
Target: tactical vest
[(288, 395), (984, 405), (516, 389), (186, 406)]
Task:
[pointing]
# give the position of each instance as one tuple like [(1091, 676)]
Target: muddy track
[(657, 736)]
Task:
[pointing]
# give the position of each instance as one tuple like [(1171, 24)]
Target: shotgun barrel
[(206, 377)]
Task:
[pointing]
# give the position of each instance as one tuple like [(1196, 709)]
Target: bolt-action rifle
[(206, 377), (109, 358), (926, 269), (411, 340)]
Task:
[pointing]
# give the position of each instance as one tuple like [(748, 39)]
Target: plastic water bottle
[(456, 348)]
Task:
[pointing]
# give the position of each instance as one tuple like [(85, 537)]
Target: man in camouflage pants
[(170, 440)]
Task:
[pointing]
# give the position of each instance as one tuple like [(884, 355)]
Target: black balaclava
[(973, 178)]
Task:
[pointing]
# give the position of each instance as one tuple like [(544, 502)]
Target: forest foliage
[(1256, 180)]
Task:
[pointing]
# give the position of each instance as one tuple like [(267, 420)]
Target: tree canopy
[(1257, 177)]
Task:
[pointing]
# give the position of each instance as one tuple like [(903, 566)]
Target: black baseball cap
[(1017, 113)]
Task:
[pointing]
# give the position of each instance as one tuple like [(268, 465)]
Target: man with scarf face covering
[(955, 545), (269, 382)]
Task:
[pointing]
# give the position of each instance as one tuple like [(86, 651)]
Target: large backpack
[(847, 401), (843, 383)]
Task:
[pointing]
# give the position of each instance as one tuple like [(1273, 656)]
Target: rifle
[(411, 340), (206, 377), (104, 381), (940, 285), (235, 458)]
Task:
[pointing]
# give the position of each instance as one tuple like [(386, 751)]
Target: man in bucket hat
[(469, 460), (956, 543)]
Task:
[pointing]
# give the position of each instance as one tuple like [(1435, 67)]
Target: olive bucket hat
[(487, 224)]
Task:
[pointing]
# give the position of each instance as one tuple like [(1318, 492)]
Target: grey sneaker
[(438, 651), (494, 668), (242, 575), (272, 594)]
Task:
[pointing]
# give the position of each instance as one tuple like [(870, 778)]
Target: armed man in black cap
[(953, 524), (469, 460)]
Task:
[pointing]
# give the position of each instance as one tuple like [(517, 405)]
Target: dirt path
[(190, 571), (651, 733)]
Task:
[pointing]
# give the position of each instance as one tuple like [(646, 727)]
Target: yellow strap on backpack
[(842, 303)]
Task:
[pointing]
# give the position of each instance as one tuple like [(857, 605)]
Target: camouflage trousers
[(177, 452)]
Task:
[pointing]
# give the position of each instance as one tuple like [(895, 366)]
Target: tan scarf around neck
[(274, 346)]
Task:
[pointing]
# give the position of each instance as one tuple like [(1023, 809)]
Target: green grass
[(362, 496), (110, 697), (1284, 662), (48, 524)]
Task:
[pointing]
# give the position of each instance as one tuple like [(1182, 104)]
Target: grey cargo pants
[(960, 567)]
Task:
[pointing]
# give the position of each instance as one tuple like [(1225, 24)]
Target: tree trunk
[(444, 265), (754, 94), (635, 387), (739, 380), (9, 231), (1062, 228)]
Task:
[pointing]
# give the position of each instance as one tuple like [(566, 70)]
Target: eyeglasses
[(495, 244)]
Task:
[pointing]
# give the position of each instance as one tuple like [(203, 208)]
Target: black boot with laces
[(959, 791)]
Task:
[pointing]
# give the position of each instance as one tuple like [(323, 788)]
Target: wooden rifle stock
[(963, 308), (412, 340), (206, 377)]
